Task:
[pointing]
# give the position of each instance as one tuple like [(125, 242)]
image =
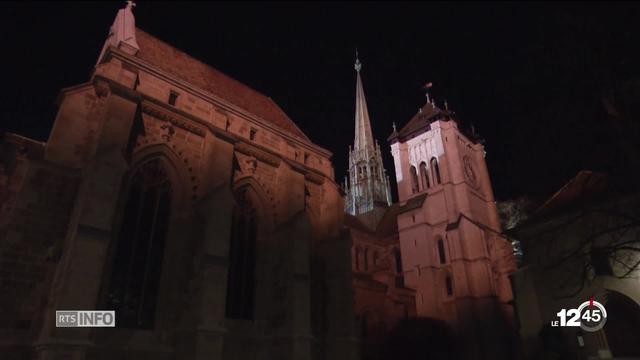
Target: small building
[(583, 243)]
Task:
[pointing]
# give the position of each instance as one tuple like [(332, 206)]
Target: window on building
[(242, 259), (357, 258), (436, 171), (448, 284), (173, 97), (133, 286), (375, 258), (441, 253), (414, 180), (252, 134), (424, 176), (398, 260)]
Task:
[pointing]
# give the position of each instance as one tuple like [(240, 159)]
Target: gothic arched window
[(424, 176), (135, 276), (242, 259), (441, 254), (414, 180), (436, 171), (357, 258)]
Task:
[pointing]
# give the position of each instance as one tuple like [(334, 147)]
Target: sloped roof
[(176, 62), (427, 114), (388, 225), (355, 223), (413, 203), (585, 186), (585, 189)]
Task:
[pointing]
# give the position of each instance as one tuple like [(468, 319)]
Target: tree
[(589, 229)]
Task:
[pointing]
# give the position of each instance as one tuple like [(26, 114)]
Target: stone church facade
[(184, 200), (195, 207)]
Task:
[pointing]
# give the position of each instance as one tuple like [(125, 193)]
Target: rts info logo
[(589, 316), (86, 318)]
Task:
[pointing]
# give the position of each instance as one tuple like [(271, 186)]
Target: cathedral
[(439, 252), (196, 209)]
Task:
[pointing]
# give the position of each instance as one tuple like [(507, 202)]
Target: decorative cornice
[(309, 174), (263, 156), (174, 119), (213, 99), (188, 122), (314, 178)]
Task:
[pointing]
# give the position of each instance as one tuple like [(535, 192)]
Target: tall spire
[(363, 138), (367, 188)]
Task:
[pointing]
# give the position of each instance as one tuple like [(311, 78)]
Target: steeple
[(367, 185), (363, 137)]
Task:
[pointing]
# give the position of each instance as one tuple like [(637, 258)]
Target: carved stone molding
[(314, 178), (309, 174), (102, 88), (263, 156), (175, 120)]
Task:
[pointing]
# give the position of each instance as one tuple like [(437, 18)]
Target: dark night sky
[(529, 77)]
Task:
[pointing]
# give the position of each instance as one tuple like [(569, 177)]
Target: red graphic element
[(591, 301)]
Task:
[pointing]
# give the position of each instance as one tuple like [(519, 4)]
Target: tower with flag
[(366, 184)]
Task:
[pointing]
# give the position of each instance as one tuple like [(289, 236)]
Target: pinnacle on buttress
[(122, 34)]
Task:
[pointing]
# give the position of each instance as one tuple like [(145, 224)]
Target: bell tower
[(453, 253), (367, 185)]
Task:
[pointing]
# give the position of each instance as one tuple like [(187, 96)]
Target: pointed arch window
[(441, 254), (414, 180), (357, 258), (133, 285), (436, 171), (242, 259), (424, 176)]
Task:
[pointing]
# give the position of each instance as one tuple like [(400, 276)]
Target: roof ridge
[(286, 115)]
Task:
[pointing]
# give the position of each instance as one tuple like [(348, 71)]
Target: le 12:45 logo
[(590, 316)]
